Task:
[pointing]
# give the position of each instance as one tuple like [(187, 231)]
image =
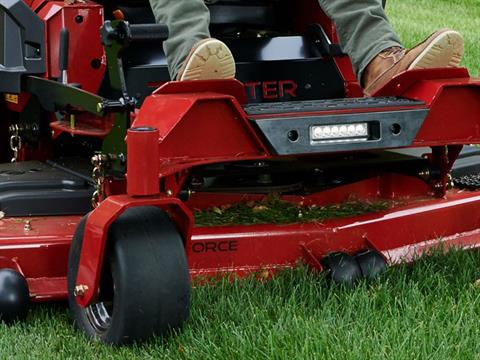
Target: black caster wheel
[(343, 269), (145, 287), (14, 296), (371, 263)]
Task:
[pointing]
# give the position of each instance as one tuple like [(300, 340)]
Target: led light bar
[(339, 133)]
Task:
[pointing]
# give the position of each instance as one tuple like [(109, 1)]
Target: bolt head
[(80, 290), (27, 226)]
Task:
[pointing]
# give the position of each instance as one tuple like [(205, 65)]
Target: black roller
[(14, 296), (343, 269), (372, 264)]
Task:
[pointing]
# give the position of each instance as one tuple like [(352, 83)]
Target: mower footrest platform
[(321, 126), (328, 105)]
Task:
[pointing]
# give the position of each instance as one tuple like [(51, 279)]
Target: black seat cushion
[(265, 14)]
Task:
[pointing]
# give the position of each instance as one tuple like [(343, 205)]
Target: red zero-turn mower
[(104, 162)]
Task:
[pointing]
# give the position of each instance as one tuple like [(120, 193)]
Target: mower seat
[(224, 14)]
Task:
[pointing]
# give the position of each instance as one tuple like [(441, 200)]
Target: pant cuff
[(371, 54)]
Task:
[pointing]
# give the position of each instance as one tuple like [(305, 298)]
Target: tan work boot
[(209, 59), (443, 48)]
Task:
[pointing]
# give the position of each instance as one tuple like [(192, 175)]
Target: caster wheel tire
[(14, 296), (144, 288), (372, 264), (343, 269)]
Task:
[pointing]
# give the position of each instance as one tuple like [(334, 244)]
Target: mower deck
[(38, 246)]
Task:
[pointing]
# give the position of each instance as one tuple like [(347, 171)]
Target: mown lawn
[(427, 311)]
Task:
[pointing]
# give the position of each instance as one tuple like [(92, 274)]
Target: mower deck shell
[(38, 246)]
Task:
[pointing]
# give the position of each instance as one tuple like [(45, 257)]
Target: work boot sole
[(446, 50), (209, 59), (442, 49)]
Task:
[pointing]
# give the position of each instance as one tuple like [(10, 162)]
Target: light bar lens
[(339, 132)]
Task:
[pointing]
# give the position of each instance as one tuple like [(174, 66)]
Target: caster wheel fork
[(144, 286)]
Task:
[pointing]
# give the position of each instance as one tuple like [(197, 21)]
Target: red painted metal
[(453, 98), (86, 60), (412, 225), (199, 127), (82, 124), (402, 82), (467, 240), (40, 253), (453, 118), (142, 176), (233, 88), (422, 222)]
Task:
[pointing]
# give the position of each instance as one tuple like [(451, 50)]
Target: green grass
[(414, 20), (427, 311)]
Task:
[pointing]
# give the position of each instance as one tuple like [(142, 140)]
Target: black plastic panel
[(222, 13), (22, 44), (468, 162), (328, 105), (388, 129), (272, 68), (33, 188)]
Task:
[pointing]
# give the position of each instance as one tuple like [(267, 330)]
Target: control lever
[(63, 55)]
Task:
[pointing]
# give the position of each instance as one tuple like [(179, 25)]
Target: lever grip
[(63, 50), (147, 32)]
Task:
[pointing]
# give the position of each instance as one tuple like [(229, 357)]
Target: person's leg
[(363, 29), (376, 52), (187, 21), (191, 53)]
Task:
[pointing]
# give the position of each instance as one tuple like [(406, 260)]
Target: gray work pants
[(362, 26), (187, 21), (363, 29)]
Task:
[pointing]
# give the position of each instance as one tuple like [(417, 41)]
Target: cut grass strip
[(273, 210)]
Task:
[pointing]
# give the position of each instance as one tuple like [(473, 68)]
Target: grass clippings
[(273, 210)]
